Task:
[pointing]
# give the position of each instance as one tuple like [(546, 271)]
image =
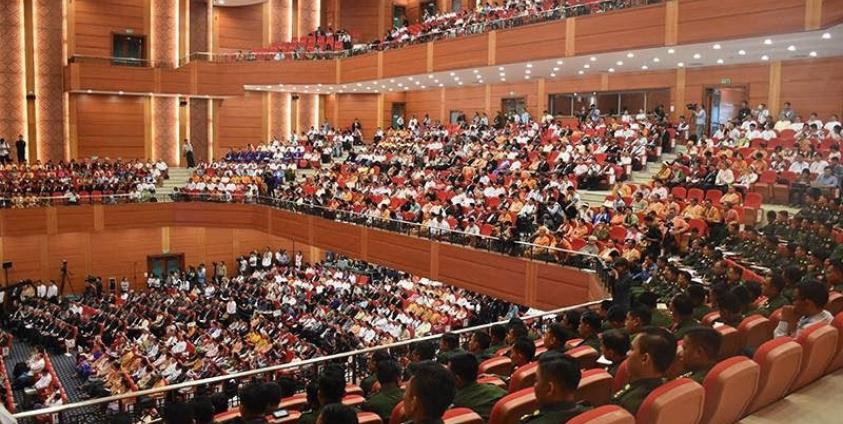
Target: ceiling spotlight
[(456, 78), (392, 80), (719, 61), (400, 84), (441, 85), (424, 87), (555, 69), (586, 66), (657, 60), (459, 83), (480, 82), (527, 71), (90, 91), (436, 81), (476, 71), (452, 73), (671, 51), (697, 55), (593, 59), (580, 72), (765, 57), (410, 78), (526, 77), (611, 69), (768, 42), (553, 75), (812, 54), (619, 63), (742, 52), (430, 76), (680, 64), (716, 47), (630, 55), (479, 76), (644, 67), (503, 79), (417, 83), (529, 65), (826, 36), (120, 93), (500, 68), (791, 48), (503, 74), (559, 62)]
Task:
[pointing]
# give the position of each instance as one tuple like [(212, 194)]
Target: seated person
[(372, 365), (555, 337), (614, 345), (773, 287), (808, 308), (253, 405), (480, 398), (589, 329), (390, 393), (429, 393), (479, 345), (330, 388), (637, 319), (557, 379), (700, 350), (653, 351), (337, 413), (523, 352), (682, 309)]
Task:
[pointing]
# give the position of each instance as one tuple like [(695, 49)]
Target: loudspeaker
[(7, 264), (294, 97), (182, 102)]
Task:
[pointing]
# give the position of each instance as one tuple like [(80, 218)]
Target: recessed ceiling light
[(526, 77), (478, 76), (120, 93), (657, 60), (671, 51), (791, 48), (430, 76), (555, 69), (765, 57), (527, 71), (503, 74), (768, 42), (452, 73), (611, 69), (436, 81), (826, 36), (593, 59), (619, 63), (529, 65), (400, 84), (719, 61), (503, 79), (630, 55), (391, 90), (459, 83), (559, 62), (581, 72), (644, 67), (742, 52), (812, 54), (476, 71), (358, 84), (697, 55), (553, 75), (410, 78), (480, 82), (716, 47), (456, 78), (681, 64), (417, 83), (392, 80), (441, 85), (90, 91), (586, 66), (424, 87), (500, 68)]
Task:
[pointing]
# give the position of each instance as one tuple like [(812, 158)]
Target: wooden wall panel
[(137, 216), (557, 286), (78, 219), (359, 68), (528, 90), (814, 86), (110, 126), (97, 21), (410, 60), (408, 254), (706, 20), (493, 274), (123, 252), (114, 78), (239, 123), (25, 253), (360, 106), (420, 102), (832, 12), (466, 99), (290, 225), (341, 238), (75, 248), (519, 44), (24, 221), (465, 52), (574, 85), (641, 80), (360, 19), (239, 27), (175, 81), (633, 28)]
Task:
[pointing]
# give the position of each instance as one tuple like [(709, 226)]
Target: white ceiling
[(795, 46)]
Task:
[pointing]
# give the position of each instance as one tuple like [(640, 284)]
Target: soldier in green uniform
[(614, 345), (337, 413), (683, 315), (330, 388), (637, 319), (589, 329), (475, 396), (367, 383), (700, 349), (253, 404), (773, 286), (429, 393), (698, 294), (557, 378), (653, 350), (660, 317), (555, 337), (479, 345), (833, 276), (449, 345), (390, 393)]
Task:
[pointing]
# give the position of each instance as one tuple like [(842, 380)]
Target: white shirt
[(783, 329), (44, 381), (724, 177), (52, 291), (231, 307)]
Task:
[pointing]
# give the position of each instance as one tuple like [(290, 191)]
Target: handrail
[(283, 367)]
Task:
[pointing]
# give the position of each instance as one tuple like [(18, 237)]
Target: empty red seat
[(680, 401), (523, 377), (819, 347), (461, 416), (754, 330), (779, 360), (499, 365), (585, 356), (353, 400), (606, 414), (512, 407), (595, 387), (729, 388)]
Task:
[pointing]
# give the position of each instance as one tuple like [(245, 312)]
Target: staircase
[(178, 178), (597, 197)]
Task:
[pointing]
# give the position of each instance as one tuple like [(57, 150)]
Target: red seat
[(499, 365), (621, 376), (368, 418), (696, 193), (523, 377), (753, 200), (819, 347), (295, 402), (397, 415), (837, 362), (595, 387), (607, 414), (353, 400), (680, 193), (679, 401), (461, 416), (754, 330), (709, 318), (835, 303), (617, 233), (731, 341), (585, 356), (714, 195), (779, 360), (729, 388), (764, 185), (510, 408)]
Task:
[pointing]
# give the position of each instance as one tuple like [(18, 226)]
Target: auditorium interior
[(421, 211)]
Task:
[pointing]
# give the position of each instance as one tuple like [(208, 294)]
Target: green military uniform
[(683, 326), (632, 396), (701, 311), (661, 318), (555, 414), (770, 305), (480, 398), (310, 416), (698, 375), (368, 383), (593, 341), (493, 349), (445, 357), (383, 402)]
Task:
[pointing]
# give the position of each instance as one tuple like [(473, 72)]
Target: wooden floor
[(819, 403)]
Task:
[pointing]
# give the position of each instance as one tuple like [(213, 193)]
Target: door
[(399, 15), (397, 110), (128, 50), (513, 105), (428, 8), (163, 265), (723, 104)]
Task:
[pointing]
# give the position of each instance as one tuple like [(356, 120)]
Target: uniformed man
[(557, 378), (498, 336), (653, 350), (479, 345), (430, 392), (478, 397), (682, 309), (383, 402), (555, 337), (372, 365), (588, 330), (449, 345), (700, 350), (773, 286), (330, 388), (614, 346), (637, 319), (698, 293)]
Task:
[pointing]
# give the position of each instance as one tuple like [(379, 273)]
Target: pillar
[(12, 73)]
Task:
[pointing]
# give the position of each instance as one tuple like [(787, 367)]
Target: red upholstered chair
[(369, 418), (353, 400), (492, 379), (729, 388), (461, 416), (731, 341), (837, 362), (397, 415), (835, 303), (353, 389), (595, 387), (510, 408), (819, 347), (679, 401), (296, 402), (606, 414), (779, 360), (585, 356), (523, 377), (710, 317), (754, 330), (291, 418), (621, 376), (499, 365)]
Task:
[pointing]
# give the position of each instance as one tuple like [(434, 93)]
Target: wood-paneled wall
[(363, 107), (635, 28), (238, 27), (110, 126), (704, 20), (240, 122), (361, 18), (814, 86), (95, 22), (115, 241)]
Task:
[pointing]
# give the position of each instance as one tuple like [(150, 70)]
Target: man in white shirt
[(231, 308), (799, 164), (725, 176), (44, 380), (52, 291), (808, 309), (439, 226), (831, 123)]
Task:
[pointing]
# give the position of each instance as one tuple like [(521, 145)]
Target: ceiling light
[(620, 63), (697, 55), (121, 92), (459, 83), (436, 81), (392, 80), (553, 75), (452, 74), (559, 62), (430, 76), (791, 48), (479, 76), (441, 85), (611, 69), (400, 84), (671, 51), (586, 66), (765, 57), (657, 60), (681, 64), (812, 54), (417, 83), (555, 69), (410, 78), (742, 52), (593, 59), (90, 91), (719, 61), (526, 77), (476, 71), (826, 36), (581, 72), (528, 72), (644, 67), (503, 79), (630, 55), (716, 47), (768, 42), (500, 68), (424, 87), (503, 74), (529, 65), (391, 90), (456, 78)]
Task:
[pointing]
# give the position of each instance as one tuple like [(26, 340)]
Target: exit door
[(398, 109), (723, 105), (163, 265)]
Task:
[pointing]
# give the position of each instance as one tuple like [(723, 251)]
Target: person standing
[(700, 119), (20, 146), (5, 150), (187, 149)]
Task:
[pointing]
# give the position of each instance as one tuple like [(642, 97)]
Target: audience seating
[(621, 376), (397, 415), (835, 303), (523, 377), (368, 418), (729, 388), (492, 379), (595, 387), (499, 365), (510, 408), (731, 342), (819, 346), (679, 401), (296, 402), (606, 414), (754, 330), (779, 360), (585, 356), (460, 416), (837, 362)]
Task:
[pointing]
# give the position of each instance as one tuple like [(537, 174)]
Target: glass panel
[(607, 103), (632, 102), (582, 103), (560, 104), (659, 97)]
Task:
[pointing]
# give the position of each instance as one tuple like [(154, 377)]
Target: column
[(49, 78), (308, 20), (12, 73), (164, 49)]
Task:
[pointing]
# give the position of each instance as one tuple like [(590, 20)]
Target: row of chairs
[(9, 398)]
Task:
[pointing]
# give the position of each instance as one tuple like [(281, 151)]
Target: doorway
[(128, 50), (428, 8), (163, 265), (398, 109), (513, 105), (399, 16), (723, 104)]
